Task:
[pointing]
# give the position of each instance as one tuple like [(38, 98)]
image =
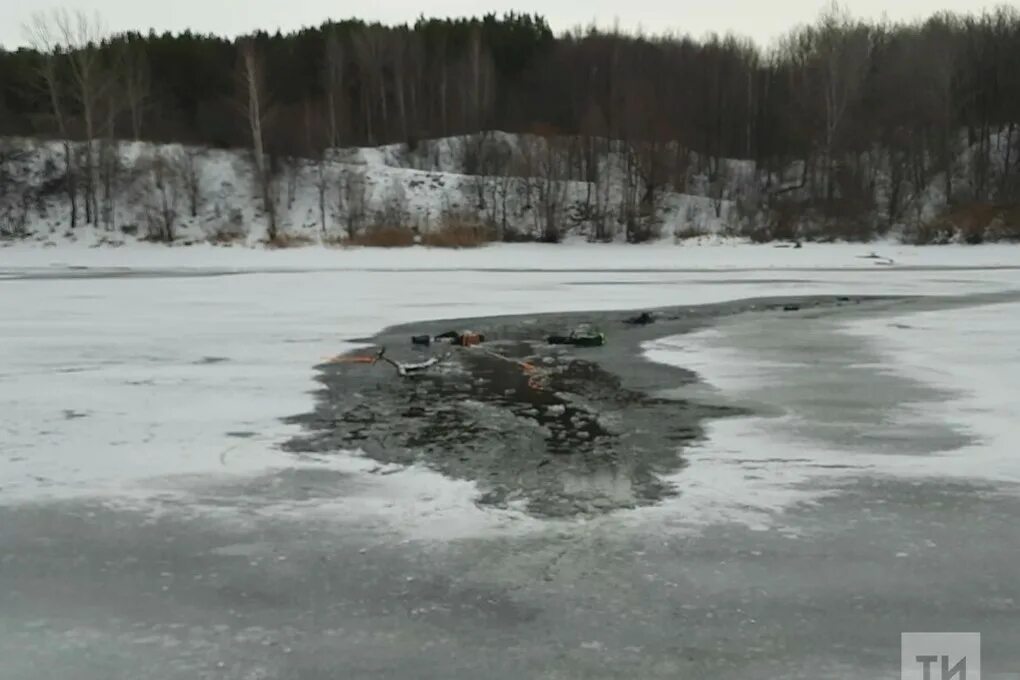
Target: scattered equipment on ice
[(579, 337), (642, 319), (405, 370), (461, 339)]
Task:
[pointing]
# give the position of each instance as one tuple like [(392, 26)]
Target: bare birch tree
[(398, 53), (81, 36), (369, 46), (845, 51), (255, 94), (352, 200), (333, 84), (135, 77), (42, 36), (163, 198), (188, 168)]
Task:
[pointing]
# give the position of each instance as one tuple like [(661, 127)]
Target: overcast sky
[(759, 19)]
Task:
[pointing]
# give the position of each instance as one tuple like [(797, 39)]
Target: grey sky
[(758, 19)]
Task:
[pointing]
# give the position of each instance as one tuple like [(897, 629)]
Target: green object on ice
[(588, 339), (579, 338)]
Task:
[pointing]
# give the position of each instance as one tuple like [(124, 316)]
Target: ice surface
[(974, 354), (131, 387), (928, 395), (717, 255)]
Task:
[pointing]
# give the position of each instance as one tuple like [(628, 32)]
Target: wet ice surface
[(556, 431), (150, 525), (916, 394)]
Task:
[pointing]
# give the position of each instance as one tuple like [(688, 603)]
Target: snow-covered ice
[(930, 395), (717, 254), (972, 354), (152, 528), (114, 384)]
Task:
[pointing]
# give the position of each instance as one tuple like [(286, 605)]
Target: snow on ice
[(130, 387)]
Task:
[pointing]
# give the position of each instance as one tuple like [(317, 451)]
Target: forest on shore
[(868, 116)]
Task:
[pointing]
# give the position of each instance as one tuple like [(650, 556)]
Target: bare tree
[(483, 156), (546, 159), (161, 208), (501, 190), (527, 169), (333, 82), (255, 92), (845, 50), (81, 36), (443, 76), (394, 213), (717, 182), (652, 156), (630, 192), (598, 206), (322, 184), (135, 77), (15, 197), (596, 171), (187, 167), (111, 167), (398, 55), (477, 88), (370, 48), (43, 38), (352, 200), (318, 133), (415, 64), (292, 170), (110, 170)]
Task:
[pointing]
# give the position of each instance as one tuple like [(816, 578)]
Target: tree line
[(867, 114)]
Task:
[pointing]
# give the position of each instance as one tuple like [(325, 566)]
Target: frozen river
[(151, 526)]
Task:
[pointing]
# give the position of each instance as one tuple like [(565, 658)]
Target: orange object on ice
[(470, 339)]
